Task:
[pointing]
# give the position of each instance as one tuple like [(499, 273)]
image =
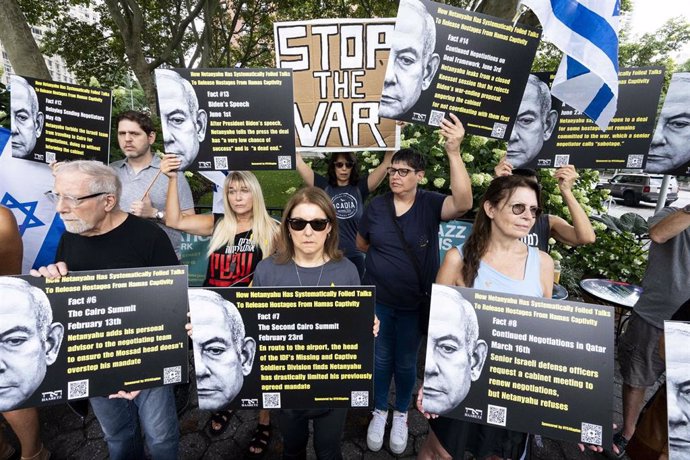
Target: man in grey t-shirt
[(666, 288), (135, 135)]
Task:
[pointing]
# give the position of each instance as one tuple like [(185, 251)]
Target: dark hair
[(478, 242), (525, 172), (143, 120), (354, 172), (413, 158), (316, 196)]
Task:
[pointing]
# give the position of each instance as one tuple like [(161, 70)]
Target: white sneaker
[(377, 426), (398, 439)]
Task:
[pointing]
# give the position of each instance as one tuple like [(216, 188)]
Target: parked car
[(633, 188)]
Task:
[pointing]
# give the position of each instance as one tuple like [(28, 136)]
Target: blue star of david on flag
[(28, 209)]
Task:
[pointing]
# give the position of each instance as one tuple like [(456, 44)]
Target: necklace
[(300, 279)]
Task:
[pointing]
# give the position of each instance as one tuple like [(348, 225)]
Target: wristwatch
[(160, 216)]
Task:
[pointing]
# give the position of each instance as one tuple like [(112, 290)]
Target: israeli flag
[(587, 32), (22, 187)]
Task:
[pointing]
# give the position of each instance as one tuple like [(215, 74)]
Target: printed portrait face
[(678, 390), (454, 357), (534, 124), (412, 61), (670, 148), (27, 120), (222, 355), (29, 343), (184, 124)]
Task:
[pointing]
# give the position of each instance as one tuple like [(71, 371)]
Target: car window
[(655, 181)]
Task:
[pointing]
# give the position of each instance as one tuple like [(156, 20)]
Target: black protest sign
[(580, 142), (53, 121), (470, 64), (528, 364), (227, 119), (283, 348), (91, 333)]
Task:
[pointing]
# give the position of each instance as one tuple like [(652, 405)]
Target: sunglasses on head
[(519, 208), (346, 164), (318, 225)]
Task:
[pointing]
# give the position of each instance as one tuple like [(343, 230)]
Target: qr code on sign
[(220, 163), (591, 434), (50, 157), (561, 160), (271, 400), (284, 162), (435, 118), (172, 375), (496, 415), (359, 398), (78, 389), (634, 161), (499, 130)]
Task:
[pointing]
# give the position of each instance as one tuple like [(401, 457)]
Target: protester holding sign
[(240, 238), (101, 236), (24, 422), (308, 255), (399, 232), (348, 192), (493, 258)]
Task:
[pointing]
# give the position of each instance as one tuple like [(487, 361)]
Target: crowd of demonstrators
[(24, 422), (493, 258), (240, 238), (399, 233), (144, 188), (100, 236), (348, 191), (548, 225)]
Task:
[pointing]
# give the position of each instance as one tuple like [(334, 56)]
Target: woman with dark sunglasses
[(494, 258), (347, 191), (308, 255)]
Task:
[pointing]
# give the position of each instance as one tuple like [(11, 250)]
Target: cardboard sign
[(578, 141), (227, 119), (676, 337), (445, 59), (54, 121), (528, 364), (338, 67), (283, 348), (91, 333)]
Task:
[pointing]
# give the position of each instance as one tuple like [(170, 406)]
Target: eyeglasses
[(519, 208), (318, 225), (345, 164), (71, 201), (402, 172)]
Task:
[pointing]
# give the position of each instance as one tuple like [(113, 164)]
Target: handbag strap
[(408, 249)]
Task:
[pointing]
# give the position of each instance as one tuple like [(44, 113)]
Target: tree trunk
[(22, 50), (506, 9)]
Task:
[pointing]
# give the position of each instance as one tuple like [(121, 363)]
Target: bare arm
[(669, 227), (450, 271), (460, 199), (546, 274), (581, 232), (378, 174), (361, 243), (304, 170), (10, 244), (196, 224)]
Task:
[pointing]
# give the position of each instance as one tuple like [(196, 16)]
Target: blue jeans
[(395, 355), (152, 412)]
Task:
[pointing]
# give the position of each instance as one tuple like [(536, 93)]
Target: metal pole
[(662, 193)]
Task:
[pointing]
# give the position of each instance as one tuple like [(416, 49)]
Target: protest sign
[(338, 67), (91, 333), (283, 348), (577, 140), (53, 121), (670, 147), (227, 119), (445, 59), (528, 364), (677, 354)]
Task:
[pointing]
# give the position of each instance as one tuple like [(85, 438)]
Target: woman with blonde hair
[(240, 238)]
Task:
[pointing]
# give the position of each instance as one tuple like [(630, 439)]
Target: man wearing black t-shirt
[(101, 236)]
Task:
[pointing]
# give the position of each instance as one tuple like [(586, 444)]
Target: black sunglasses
[(347, 164), (519, 208), (318, 225)]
